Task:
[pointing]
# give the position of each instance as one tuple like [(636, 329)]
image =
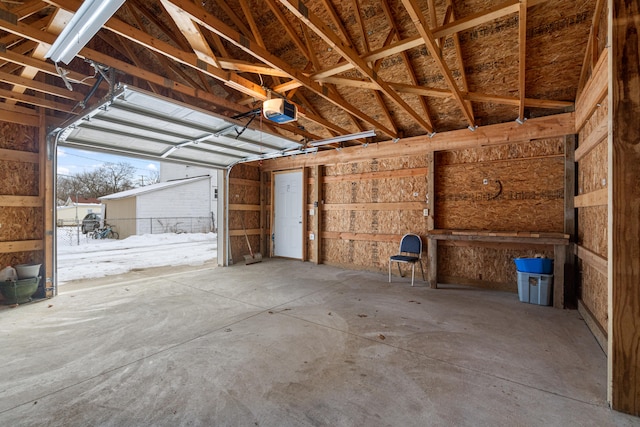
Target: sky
[(82, 257), (72, 161)]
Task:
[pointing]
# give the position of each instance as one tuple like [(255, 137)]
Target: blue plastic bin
[(534, 265)]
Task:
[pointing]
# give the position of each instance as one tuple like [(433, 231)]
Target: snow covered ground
[(81, 257)]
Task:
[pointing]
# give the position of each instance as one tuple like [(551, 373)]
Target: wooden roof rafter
[(350, 55), (407, 62), (374, 66), (450, 16), (430, 41), (215, 25), (473, 20), (288, 28), (315, 63), (522, 58)]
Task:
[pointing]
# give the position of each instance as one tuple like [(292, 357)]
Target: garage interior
[(502, 130)]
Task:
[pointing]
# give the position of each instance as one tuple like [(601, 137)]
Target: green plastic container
[(19, 291)]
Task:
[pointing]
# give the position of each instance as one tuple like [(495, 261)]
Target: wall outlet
[(312, 212), (425, 212), (485, 181), (312, 236)]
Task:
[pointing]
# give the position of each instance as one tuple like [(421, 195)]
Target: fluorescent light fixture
[(83, 26), (342, 138)]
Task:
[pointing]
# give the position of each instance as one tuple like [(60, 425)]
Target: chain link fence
[(159, 225), (71, 234)]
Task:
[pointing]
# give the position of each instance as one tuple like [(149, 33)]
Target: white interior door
[(287, 241)]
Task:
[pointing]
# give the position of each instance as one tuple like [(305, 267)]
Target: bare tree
[(107, 179)]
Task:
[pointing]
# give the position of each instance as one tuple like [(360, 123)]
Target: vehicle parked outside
[(91, 222)]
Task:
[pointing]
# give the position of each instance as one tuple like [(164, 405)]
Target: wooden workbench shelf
[(512, 239)]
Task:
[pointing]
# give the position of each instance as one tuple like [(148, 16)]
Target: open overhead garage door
[(137, 123)]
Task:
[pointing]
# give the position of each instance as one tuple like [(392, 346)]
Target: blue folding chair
[(410, 253)]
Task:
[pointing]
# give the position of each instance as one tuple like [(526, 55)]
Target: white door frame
[(303, 197)]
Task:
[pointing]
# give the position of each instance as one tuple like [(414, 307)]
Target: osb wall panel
[(358, 255), (397, 222), (387, 190), (592, 169), (593, 293), (600, 113), (592, 229), (376, 165), (522, 195), (242, 194), (357, 190), (494, 267), (21, 224), (18, 137), (18, 179)]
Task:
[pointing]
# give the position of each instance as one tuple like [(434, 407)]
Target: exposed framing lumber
[(37, 101), (18, 115), (522, 56), (594, 198), (21, 201), (468, 22), (316, 24), (594, 326), (288, 28), (361, 237), (216, 26), (401, 173), (458, 48), (45, 67), (593, 92), (40, 87), (596, 261), (429, 40), (42, 37), (504, 133), (598, 135), (21, 246), (243, 207), (391, 206), (316, 222), (407, 62), (624, 227), (590, 52)]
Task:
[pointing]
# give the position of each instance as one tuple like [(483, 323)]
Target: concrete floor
[(285, 343)]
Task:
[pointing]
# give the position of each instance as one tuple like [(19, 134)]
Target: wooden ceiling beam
[(462, 24), (90, 54), (337, 22), (45, 67), (288, 28), (222, 4), (194, 36), (590, 55), (36, 100), (446, 93), (302, 13), (316, 65), (418, 20), (252, 23), (456, 43), (407, 61), (433, 18), (29, 8), (215, 25), (374, 66), (28, 83), (522, 57), (169, 28)]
